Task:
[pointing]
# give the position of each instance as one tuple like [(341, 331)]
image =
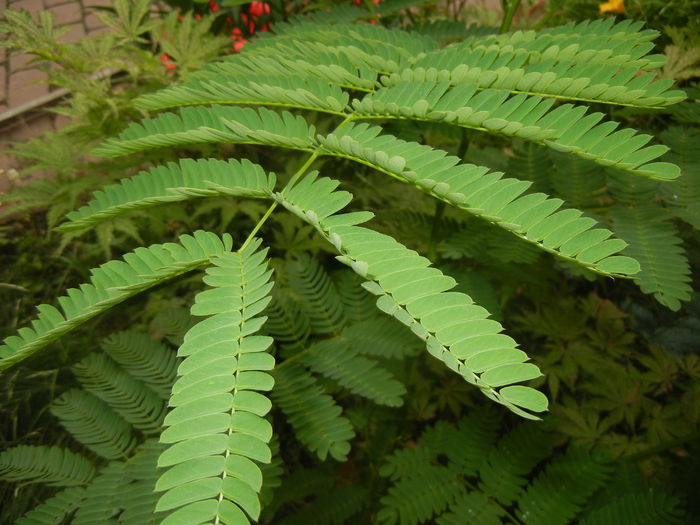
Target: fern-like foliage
[(174, 182), (315, 416), (340, 361), (455, 330), (55, 509), (216, 429), (110, 284), (129, 397), (316, 295), (51, 465), (683, 198), (92, 422), (655, 244), (145, 359), (102, 498), (464, 473), (332, 88)]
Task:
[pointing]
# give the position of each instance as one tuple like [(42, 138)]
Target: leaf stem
[(508, 15), (291, 182), (435, 230)]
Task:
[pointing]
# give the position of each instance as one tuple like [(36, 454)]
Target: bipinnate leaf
[(455, 330), (216, 431)]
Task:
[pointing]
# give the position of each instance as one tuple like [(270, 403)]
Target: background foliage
[(360, 408)]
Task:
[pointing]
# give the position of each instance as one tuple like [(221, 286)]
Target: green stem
[(435, 230), (291, 182), (508, 15)]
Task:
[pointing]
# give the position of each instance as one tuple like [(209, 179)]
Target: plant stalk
[(291, 182), (512, 7)]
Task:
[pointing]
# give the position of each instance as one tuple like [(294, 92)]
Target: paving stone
[(67, 14), (26, 86), (32, 6), (53, 3), (74, 34), (19, 61), (3, 83)]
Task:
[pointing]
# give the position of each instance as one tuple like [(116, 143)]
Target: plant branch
[(508, 15), (300, 172)]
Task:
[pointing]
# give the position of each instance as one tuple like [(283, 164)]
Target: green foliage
[(337, 373), (94, 424), (463, 472), (51, 465), (112, 283), (216, 430), (614, 388)]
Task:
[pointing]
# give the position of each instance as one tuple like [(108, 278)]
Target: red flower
[(166, 62), (213, 6), (237, 46), (259, 8)]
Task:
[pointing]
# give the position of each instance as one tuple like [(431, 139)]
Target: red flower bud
[(259, 8)]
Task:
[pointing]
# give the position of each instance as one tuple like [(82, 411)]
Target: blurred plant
[(614, 388)]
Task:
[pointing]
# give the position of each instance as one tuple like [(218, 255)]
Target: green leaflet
[(216, 431), (54, 509), (455, 330), (173, 182), (338, 360), (145, 359), (213, 124), (654, 242), (566, 128), (533, 217), (93, 423), (51, 465), (285, 91), (316, 418), (110, 284), (129, 397)]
